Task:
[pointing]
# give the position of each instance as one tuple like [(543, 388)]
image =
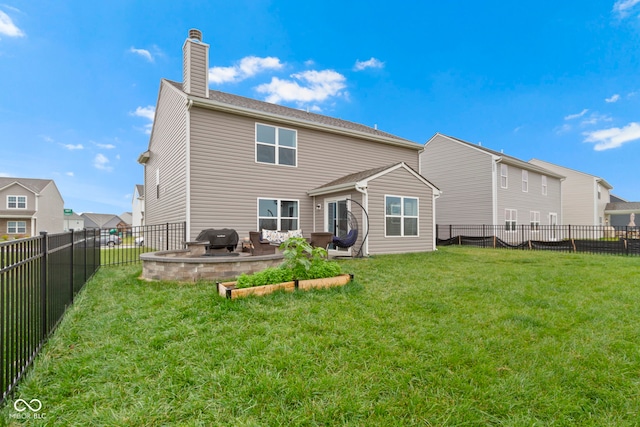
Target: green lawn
[(462, 336)]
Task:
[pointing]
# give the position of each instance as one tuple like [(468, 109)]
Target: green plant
[(265, 277), (5, 237), (299, 256)]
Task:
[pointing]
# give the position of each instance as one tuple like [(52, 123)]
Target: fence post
[(43, 283), (71, 268), (484, 236), (167, 236)]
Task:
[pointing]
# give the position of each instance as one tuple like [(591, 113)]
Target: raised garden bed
[(228, 289)]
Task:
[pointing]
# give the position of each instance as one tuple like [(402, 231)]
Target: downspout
[(433, 208), (187, 192), (362, 188)]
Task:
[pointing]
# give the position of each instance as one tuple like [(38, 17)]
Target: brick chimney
[(195, 65)]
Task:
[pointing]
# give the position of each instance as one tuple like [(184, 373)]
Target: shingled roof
[(33, 184), (292, 113)]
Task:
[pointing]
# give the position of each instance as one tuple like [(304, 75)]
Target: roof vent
[(195, 34)]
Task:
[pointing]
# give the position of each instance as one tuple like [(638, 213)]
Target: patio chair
[(258, 247)]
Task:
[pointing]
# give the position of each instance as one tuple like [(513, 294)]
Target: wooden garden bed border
[(228, 289)]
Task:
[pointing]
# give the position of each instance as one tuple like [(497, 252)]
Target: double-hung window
[(16, 202), (401, 216), (278, 214), (510, 219), (525, 181), (544, 185), (276, 145), (535, 220), (503, 175), (16, 227)]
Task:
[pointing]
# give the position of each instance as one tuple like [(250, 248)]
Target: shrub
[(265, 277)]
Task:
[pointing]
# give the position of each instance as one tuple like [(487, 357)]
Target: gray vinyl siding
[(399, 183), (226, 181), (580, 204), (195, 68), (50, 214), (533, 200), (167, 149), (464, 175)]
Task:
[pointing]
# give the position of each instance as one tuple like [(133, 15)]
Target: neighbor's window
[(535, 220), (510, 219), (278, 214), (525, 181), (544, 185), (401, 216), (503, 176), (16, 227), (276, 145), (599, 192), (16, 202)]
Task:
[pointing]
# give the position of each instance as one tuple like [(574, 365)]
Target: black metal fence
[(125, 246), (566, 238), (39, 278)]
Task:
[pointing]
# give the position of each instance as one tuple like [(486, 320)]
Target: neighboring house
[(584, 196), (618, 212), (29, 206), (105, 221), (485, 187), (73, 222), (217, 160), (137, 206)]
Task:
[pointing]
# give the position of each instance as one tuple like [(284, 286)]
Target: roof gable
[(34, 185), (360, 179)]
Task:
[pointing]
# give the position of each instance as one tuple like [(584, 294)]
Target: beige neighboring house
[(29, 206), (584, 196), (217, 160), (481, 186)]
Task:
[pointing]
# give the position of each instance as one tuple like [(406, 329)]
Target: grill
[(223, 238)]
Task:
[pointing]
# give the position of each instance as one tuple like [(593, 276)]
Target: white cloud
[(371, 63), (614, 98), (595, 118), (606, 139), (247, 67), (73, 147), (623, 7), (575, 116), (143, 53), (8, 28), (308, 86), (5, 175), (69, 173), (102, 162), (104, 146), (148, 113)]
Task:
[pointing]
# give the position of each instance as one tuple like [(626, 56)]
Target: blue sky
[(557, 81)]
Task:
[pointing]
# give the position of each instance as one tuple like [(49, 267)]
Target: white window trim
[(276, 146), (534, 221), (17, 227), (511, 216), (525, 181), (402, 216), (544, 185), (17, 201), (278, 215), (504, 173)]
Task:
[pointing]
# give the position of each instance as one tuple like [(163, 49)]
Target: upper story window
[(401, 216), (503, 176), (525, 181), (599, 192), (276, 145), (544, 185), (16, 202)]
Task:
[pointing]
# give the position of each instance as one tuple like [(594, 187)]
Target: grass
[(461, 336)]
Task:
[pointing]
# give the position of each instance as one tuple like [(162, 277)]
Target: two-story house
[(29, 206), (486, 187), (137, 206), (584, 196), (217, 160)]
